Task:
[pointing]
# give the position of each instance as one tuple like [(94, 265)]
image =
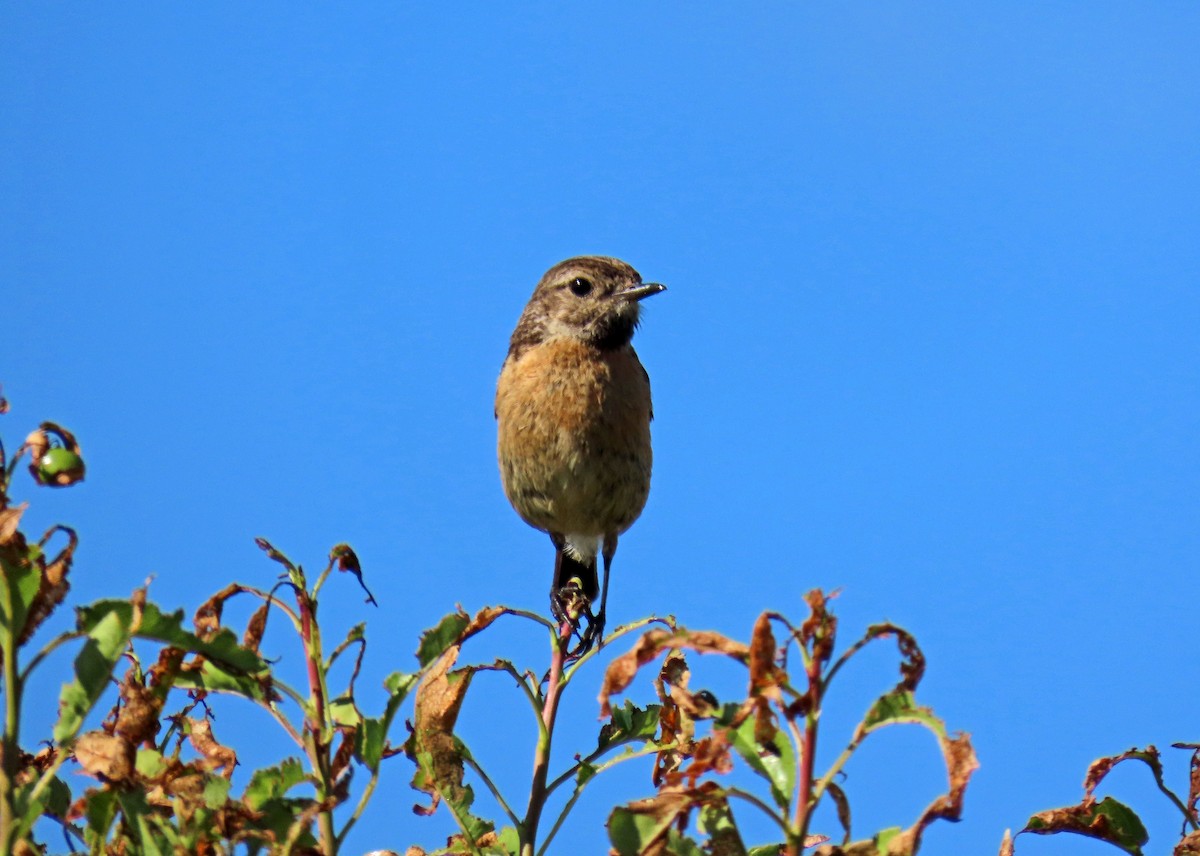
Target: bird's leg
[(595, 628)]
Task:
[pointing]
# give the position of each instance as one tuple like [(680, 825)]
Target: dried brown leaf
[(621, 671), (1006, 844), (138, 719), (10, 521), (1194, 776), (843, 808), (345, 751), (207, 619), (482, 619), (218, 757), (669, 808), (38, 443), (108, 757), (256, 627), (1101, 767), (438, 701), (819, 630), (1189, 845)]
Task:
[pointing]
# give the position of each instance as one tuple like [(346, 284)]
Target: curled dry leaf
[(207, 619), (843, 808), (53, 586), (37, 444), (10, 521), (912, 660), (819, 630), (621, 671), (138, 719), (1189, 845), (641, 827), (1107, 820), (1194, 776), (108, 757), (218, 757), (347, 562), (674, 726), (345, 751), (1006, 844), (710, 755), (256, 627), (1101, 767), (432, 745)]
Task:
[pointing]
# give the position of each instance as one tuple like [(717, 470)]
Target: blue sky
[(930, 338)]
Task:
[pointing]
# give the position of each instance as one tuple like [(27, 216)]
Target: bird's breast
[(574, 436)]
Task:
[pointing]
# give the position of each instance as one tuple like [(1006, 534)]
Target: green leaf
[(108, 636), (884, 837), (508, 842), (23, 578), (99, 812), (271, 783), (1107, 820), (681, 845), (215, 679), (136, 811), (344, 711), (629, 723), (437, 639), (372, 737), (899, 706), (59, 801), (632, 832), (775, 763), (716, 821), (150, 763), (216, 792), (585, 772), (168, 628)]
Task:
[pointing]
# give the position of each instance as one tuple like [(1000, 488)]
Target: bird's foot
[(573, 610)]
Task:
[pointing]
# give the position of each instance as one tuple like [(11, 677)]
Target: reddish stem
[(541, 760), (807, 759)]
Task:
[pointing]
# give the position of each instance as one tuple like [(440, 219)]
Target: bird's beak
[(641, 291)]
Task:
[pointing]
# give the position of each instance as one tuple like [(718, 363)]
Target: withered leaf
[(207, 619), (108, 757), (1006, 844), (1189, 845), (432, 745), (1107, 820), (1101, 767), (53, 585), (256, 627), (10, 521), (138, 719), (819, 630), (218, 757), (621, 671), (640, 828)]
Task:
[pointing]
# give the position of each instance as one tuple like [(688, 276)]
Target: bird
[(573, 415)]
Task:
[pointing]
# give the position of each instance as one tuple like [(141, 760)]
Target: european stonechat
[(573, 406)]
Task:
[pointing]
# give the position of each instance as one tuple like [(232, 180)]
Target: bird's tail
[(567, 567)]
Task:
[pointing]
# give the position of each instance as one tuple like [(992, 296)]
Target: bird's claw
[(571, 607)]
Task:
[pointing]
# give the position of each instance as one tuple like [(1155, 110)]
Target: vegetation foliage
[(160, 781)]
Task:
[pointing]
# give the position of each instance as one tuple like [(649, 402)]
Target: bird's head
[(591, 298)]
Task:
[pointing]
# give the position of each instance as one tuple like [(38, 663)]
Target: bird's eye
[(581, 287)]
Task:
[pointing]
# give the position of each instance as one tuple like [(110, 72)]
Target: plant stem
[(803, 813), (10, 747), (541, 757), (318, 750)]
